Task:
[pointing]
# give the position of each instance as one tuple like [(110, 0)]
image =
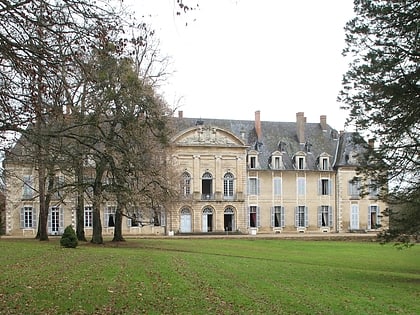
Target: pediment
[(207, 135)]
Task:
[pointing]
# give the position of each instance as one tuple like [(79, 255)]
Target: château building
[(248, 176)]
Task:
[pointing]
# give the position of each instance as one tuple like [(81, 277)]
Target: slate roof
[(273, 133)]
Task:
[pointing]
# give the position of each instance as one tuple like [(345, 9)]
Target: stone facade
[(236, 176)]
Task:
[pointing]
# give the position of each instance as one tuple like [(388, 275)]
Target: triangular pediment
[(207, 135)]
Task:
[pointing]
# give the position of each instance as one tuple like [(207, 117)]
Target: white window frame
[(28, 187), (254, 209), (228, 185), (324, 187), (88, 216), (108, 211), (186, 184), (301, 217), (253, 186), (354, 188), (60, 210), (374, 209), (301, 186), (28, 219)]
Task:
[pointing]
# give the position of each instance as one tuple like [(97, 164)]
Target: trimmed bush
[(69, 238)]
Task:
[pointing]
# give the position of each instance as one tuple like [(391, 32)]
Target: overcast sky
[(238, 56)]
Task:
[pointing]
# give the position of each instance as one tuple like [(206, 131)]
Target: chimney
[(300, 127), (180, 114), (323, 122), (258, 124)]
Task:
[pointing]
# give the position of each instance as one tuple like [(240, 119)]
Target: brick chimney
[(300, 127), (180, 114), (323, 122), (258, 124)]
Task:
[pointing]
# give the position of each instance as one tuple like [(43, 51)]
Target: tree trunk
[(96, 205), (80, 220), (118, 226), (42, 233)]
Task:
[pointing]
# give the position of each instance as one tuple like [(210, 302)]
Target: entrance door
[(354, 219), (207, 220), (185, 221), (228, 221)]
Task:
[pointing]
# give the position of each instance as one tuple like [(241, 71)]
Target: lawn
[(209, 276)]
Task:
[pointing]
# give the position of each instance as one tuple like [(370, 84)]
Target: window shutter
[(272, 216), (49, 218), (22, 218), (330, 216), (247, 217), (320, 216), (378, 218), (258, 217), (329, 187), (249, 187), (296, 217), (282, 223), (61, 217), (128, 222), (370, 217), (306, 217), (34, 219), (319, 186), (106, 217)]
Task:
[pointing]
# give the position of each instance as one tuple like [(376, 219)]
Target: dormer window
[(276, 161), (300, 161), (253, 159)]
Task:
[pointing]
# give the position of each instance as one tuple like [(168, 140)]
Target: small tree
[(69, 238)]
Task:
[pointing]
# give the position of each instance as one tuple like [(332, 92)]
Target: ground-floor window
[(229, 219), (109, 216), (27, 217), (207, 219), (55, 220), (88, 216), (277, 216), (325, 216), (374, 221), (185, 222), (253, 216), (354, 217), (301, 216)]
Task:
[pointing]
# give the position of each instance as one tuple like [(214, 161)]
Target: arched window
[(207, 186), (186, 184), (228, 185), (185, 226)]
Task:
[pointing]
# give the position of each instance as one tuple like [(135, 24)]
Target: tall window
[(253, 186), (325, 218), (207, 185), (277, 186), (58, 187), (301, 186), (28, 190), (228, 185), (325, 187), (277, 216), (88, 216), (373, 189), (109, 216), (186, 184), (253, 162), (27, 217), (301, 216), (354, 188), (254, 216), (55, 219), (374, 221)]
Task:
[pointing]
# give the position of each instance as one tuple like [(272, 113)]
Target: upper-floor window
[(28, 187), (277, 186), (252, 161), (300, 161), (276, 161), (324, 163), (186, 184), (324, 187), (354, 188), (301, 186), (373, 189), (253, 186), (228, 185), (207, 185)]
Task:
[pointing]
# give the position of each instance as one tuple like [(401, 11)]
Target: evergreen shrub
[(69, 238)]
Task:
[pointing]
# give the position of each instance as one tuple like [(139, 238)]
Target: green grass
[(208, 276)]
